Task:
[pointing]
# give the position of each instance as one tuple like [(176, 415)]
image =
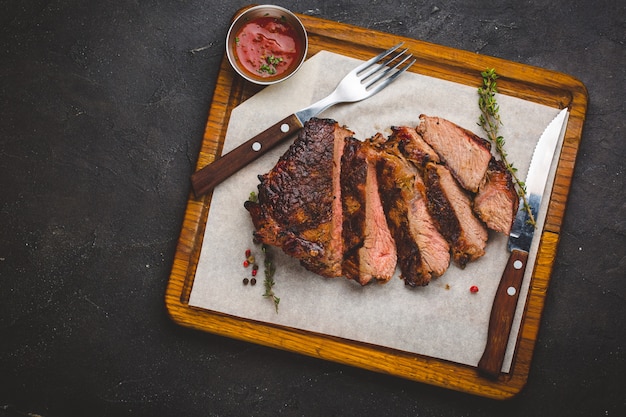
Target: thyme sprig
[(269, 277), (268, 263), (490, 121)]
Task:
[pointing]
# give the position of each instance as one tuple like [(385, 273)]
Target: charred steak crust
[(298, 207), (450, 206), (353, 179), (396, 211), (439, 207)]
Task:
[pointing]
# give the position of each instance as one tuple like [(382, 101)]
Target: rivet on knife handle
[(502, 313), (213, 174)]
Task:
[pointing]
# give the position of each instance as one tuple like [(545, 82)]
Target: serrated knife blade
[(520, 239)]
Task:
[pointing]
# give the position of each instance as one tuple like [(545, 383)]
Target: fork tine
[(377, 86), (377, 58), (390, 69), (382, 66), (390, 79)]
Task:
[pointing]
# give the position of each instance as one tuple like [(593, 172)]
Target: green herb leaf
[(269, 64), (269, 283), (489, 120)]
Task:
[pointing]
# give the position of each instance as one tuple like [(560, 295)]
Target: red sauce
[(267, 47)]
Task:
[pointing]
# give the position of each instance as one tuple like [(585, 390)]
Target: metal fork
[(362, 82)]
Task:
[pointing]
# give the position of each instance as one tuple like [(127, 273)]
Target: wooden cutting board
[(529, 83)]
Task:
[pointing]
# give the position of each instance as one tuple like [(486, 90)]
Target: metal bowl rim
[(258, 11)]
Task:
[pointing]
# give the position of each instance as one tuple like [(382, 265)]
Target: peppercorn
[(253, 281), (245, 281), (473, 289)]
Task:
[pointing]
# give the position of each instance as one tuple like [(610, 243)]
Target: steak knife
[(520, 239)]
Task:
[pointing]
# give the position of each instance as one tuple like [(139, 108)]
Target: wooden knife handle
[(205, 179), (502, 313)]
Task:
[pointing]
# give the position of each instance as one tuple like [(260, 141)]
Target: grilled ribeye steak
[(369, 249), (417, 200), (299, 201), (496, 202), (451, 209), (464, 153), (423, 253)]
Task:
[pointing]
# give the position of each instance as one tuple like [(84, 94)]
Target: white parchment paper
[(442, 320)]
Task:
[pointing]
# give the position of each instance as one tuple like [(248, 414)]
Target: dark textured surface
[(102, 110)]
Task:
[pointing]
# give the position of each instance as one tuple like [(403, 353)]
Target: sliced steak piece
[(299, 201), (433, 246), (466, 154), (412, 145), (497, 201), (369, 249), (451, 209), (422, 252)]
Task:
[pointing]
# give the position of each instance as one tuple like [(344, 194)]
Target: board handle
[(207, 178), (502, 313)]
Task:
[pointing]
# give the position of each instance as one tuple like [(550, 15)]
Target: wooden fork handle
[(205, 179)]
